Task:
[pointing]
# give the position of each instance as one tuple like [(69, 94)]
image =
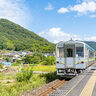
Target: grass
[(16, 64), (16, 88), (1, 66), (6, 77), (44, 68), (20, 87), (37, 67)]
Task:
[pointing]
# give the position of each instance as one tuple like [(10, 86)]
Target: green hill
[(15, 37)]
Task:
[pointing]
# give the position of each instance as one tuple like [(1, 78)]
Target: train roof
[(71, 41), (74, 42)]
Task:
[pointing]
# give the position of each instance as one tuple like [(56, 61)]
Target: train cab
[(72, 57)]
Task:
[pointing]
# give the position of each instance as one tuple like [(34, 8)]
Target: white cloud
[(78, 1), (15, 11), (88, 0), (87, 7), (49, 7), (92, 38), (84, 7), (56, 34), (63, 10), (92, 16)]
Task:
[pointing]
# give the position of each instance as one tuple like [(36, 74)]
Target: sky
[(55, 20)]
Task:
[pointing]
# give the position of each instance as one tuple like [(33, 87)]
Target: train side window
[(80, 51), (69, 52), (60, 52), (91, 54)]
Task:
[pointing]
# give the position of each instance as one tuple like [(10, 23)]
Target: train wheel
[(78, 71), (61, 78)]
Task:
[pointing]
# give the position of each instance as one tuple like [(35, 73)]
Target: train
[(72, 57)]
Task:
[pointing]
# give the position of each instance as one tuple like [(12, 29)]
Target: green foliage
[(19, 88), (7, 59), (15, 37), (24, 75), (50, 60), (50, 76), (16, 64), (0, 55), (18, 61), (27, 59), (46, 68), (38, 58), (44, 63), (1, 66)]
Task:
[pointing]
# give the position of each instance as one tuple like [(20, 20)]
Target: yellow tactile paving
[(88, 89)]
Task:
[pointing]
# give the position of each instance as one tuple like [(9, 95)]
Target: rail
[(52, 88)]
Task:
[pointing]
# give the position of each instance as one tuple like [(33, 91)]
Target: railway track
[(45, 89), (52, 88)]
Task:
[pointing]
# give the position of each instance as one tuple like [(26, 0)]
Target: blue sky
[(55, 20)]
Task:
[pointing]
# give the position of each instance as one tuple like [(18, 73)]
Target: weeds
[(50, 76), (20, 86), (1, 66), (24, 75)]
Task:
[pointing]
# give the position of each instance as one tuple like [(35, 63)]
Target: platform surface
[(82, 85)]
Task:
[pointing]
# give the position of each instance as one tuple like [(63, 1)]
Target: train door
[(69, 55)]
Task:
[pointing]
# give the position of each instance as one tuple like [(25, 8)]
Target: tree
[(36, 60), (18, 61), (50, 60), (28, 59), (15, 37), (7, 59)]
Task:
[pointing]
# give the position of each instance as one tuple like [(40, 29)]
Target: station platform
[(83, 84)]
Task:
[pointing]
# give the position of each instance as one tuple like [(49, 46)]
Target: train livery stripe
[(90, 48), (84, 61), (78, 62)]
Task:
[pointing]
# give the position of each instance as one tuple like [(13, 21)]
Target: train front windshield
[(70, 52), (79, 51)]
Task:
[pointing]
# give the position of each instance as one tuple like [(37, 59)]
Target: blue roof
[(7, 63)]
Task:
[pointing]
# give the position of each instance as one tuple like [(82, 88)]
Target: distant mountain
[(92, 44), (15, 37)]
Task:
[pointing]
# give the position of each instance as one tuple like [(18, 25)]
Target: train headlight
[(61, 70)]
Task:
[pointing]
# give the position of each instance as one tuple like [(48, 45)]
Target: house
[(49, 54), (16, 55), (2, 60)]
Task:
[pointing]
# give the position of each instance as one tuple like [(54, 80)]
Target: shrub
[(50, 60), (1, 66), (36, 60), (16, 64), (50, 76), (44, 63), (24, 75), (7, 59), (18, 61)]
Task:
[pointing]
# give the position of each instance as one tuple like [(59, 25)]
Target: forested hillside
[(15, 37)]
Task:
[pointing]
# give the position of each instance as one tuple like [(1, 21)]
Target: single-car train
[(72, 57)]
